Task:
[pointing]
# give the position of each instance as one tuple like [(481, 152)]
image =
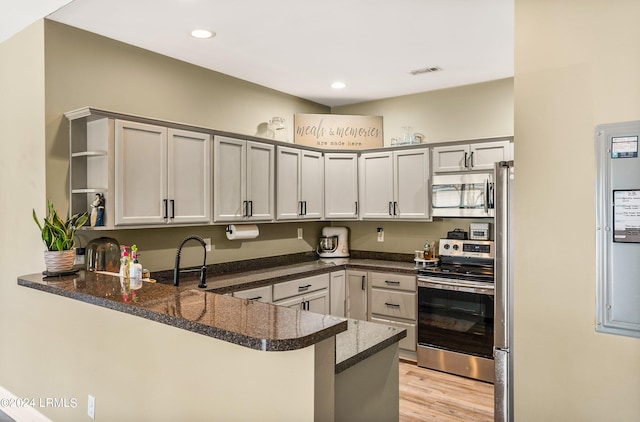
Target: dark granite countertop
[(363, 339), (252, 324)]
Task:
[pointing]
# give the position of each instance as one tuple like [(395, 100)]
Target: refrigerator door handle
[(502, 329)]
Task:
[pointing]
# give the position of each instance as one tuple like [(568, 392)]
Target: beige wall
[(483, 110), (23, 188), (576, 67), (141, 370)]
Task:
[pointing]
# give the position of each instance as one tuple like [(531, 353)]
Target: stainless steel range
[(455, 310)]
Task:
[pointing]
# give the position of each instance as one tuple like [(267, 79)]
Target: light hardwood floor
[(427, 395)]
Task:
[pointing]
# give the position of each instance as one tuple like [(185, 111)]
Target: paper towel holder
[(228, 229)]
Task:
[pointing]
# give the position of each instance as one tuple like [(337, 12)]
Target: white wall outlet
[(208, 242), (91, 407), (380, 234), (300, 233)]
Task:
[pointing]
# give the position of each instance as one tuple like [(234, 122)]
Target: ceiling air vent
[(425, 70)]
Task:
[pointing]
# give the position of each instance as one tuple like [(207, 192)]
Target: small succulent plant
[(57, 234)]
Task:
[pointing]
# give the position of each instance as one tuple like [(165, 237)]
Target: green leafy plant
[(57, 234)]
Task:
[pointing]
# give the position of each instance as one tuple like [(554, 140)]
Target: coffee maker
[(334, 243)]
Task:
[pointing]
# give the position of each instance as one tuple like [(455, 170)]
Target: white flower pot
[(59, 261)]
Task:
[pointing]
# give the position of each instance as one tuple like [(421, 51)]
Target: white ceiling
[(300, 47)]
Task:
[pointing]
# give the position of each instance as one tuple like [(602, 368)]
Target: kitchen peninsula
[(229, 358)]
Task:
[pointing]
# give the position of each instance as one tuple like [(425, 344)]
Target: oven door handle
[(456, 286)]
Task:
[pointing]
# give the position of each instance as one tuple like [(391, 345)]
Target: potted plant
[(57, 235)]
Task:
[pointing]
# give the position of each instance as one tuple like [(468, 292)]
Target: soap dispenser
[(135, 268)]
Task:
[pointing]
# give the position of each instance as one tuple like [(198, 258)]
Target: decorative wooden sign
[(334, 131)]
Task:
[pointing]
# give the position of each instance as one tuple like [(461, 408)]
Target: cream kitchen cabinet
[(395, 185), (300, 184), (162, 175), (356, 300), (308, 293), (260, 294), (393, 300), (91, 163), (317, 302), (468, 157), (340, 186), (337, 293), (243, 186)]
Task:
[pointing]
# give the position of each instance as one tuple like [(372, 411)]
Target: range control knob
[(446, 246), (456, 247)]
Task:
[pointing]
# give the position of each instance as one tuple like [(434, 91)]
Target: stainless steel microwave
[(462, 195)]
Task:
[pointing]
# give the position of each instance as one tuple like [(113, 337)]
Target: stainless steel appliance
[(462, 195), (480, 231), (503, 343), (334, 243), (456, 310)]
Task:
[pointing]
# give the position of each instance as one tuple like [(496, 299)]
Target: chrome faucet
[(203, 270)]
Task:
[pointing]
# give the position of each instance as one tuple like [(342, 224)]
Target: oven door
[(462, 195), (456, 315)]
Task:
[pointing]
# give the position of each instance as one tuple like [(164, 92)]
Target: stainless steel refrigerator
[(503, 315)]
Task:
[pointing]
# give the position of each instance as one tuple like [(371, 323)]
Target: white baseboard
[(19, 413)]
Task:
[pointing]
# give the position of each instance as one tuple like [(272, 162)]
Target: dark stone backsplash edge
[(232, 267)]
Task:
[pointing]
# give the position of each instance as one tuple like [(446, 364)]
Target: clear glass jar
[(102, 254)]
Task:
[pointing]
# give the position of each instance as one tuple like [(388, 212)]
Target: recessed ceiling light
[(202, 33), (338, 85)]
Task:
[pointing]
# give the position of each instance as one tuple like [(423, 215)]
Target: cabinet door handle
[(390, 210), (304, 203), (250, 208), (245, 208), (395, 205), (165, 206), (471, 160), (255, 298), (392, 305), (300, 207), (466, 162), (363, 278), (392, 282), (173, 208), (303, 288), (356, 207)]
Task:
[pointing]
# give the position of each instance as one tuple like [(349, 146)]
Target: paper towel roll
[(242, 231)]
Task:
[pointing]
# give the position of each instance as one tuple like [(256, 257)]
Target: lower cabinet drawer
[(300, 286), (394, 304), (394, 281), (261, 294), (407, 343)]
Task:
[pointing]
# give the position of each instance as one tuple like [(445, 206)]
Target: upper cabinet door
[(411, 171), (468, 157), (376, 185), (229, 179), (189, 183), (450, 158), (300, 184), (260, 181), (340, 186), (484, 155), (311, 184), (289, 204), (140, 173)]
